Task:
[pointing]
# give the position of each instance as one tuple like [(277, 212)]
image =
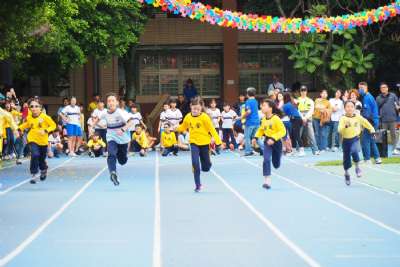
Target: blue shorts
[(73, 130)]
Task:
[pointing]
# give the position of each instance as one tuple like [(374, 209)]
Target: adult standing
[(370, 112), (337, 113), (388, 105), (276, 86), (252, 120), (71, 114), (189, 91), (306, 108), (321, 120)]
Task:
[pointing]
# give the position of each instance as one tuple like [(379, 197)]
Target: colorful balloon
[(252, 22)]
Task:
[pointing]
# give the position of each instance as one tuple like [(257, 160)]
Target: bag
[(381, 140)]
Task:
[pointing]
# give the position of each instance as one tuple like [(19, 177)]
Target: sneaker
[(33, 180), (114, 178), (335, 149), (301, 152), (378, 161), (105, 154), (175, 153), (317, 153), (358, 172), (266, 186), (347, 179), (72, 154), (249, 154), (198, 188), (396, 152), (367, 162), (12, 156), (18, 162), (43, 175), (6, 157)]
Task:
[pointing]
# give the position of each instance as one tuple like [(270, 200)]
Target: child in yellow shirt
[(201, 129), (350, 127), (96, 146), (39, 125), (139, 141), (168, 141), (273, 129)]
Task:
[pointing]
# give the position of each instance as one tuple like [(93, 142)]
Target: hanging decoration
[(269, 24)]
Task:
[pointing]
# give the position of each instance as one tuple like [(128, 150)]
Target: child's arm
[(342, 125), (51, 124), (210, 128), (366, 124), (183, 126)]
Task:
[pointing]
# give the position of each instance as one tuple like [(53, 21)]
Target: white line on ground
[(10, 256), (297, 250), (11, 188), (332, 201), (380, 170), (157, 217), (341, 177)]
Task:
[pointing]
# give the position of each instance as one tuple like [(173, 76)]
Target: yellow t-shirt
[(201, 129), (321, 105), (350, 127), (141, 139), (271, 128), (168, 140), (99, 142), (39, 128), (6, 121), (92, 106)]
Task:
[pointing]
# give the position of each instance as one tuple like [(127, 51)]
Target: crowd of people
[(283, 124)]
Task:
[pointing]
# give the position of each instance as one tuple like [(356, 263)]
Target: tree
[(337, 58)]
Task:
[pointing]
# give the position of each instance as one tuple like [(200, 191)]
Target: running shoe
[(358, 172), (266, 186), (198, 188), (114, 178), (378, 161), (347, 179), (43, 175)]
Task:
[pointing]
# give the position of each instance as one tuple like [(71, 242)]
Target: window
[(257, 67), (167, 73)]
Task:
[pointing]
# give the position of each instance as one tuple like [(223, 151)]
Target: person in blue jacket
[(189, 91), (370, 112)]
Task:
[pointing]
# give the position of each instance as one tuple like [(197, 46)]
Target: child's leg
[(347, 144), (277, 154), (195, 151), (112, 156), (267, 163), (97, 153), (232, 138), (35, 155), (225, 134), (356, 157), (122, 154), (205, 158), (10, 142), (42, 158), (175, 149), (166, 151)]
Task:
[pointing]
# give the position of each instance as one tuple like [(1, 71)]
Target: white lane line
[(341, 177), (11, 188), (332, 201), (13, 164), (380, 170), (157, 217), (296, 249), (11, 255)]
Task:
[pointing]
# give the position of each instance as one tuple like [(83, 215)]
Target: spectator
[(275, 86), (370, 112), (96, 146), (252, 120), (321, 120), (182, 105), (306, 108), (93, 105), (189, 91), (55, 146), (337, 112), (354, 96), (388, 105)]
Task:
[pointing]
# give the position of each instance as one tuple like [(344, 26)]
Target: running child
[(168, 141), (228, 117), (201, 129), (273, 129), (350, 127), (39, 126), (118, 122)]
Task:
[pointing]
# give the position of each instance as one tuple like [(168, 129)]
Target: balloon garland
[(251, 22)]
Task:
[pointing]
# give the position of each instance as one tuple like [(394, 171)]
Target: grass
[(339, 162)]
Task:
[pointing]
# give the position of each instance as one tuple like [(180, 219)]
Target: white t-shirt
[(174, 117), (228, 118), (136, 117), (54, 140), (97, 113), (215, 115), (239, 138), (73, 114), (338, 104), (115, 121), (163, 118)]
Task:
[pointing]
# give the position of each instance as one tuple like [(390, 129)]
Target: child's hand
[(270, 142)]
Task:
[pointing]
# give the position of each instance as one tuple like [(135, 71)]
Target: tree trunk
[(130, 75)]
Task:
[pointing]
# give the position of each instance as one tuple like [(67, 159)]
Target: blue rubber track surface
[(77, 217)]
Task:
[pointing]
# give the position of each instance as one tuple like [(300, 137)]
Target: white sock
[(267, 180), (357, 164), (346, 172)]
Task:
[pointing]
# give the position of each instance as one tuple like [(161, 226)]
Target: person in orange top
[(321, 119)]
